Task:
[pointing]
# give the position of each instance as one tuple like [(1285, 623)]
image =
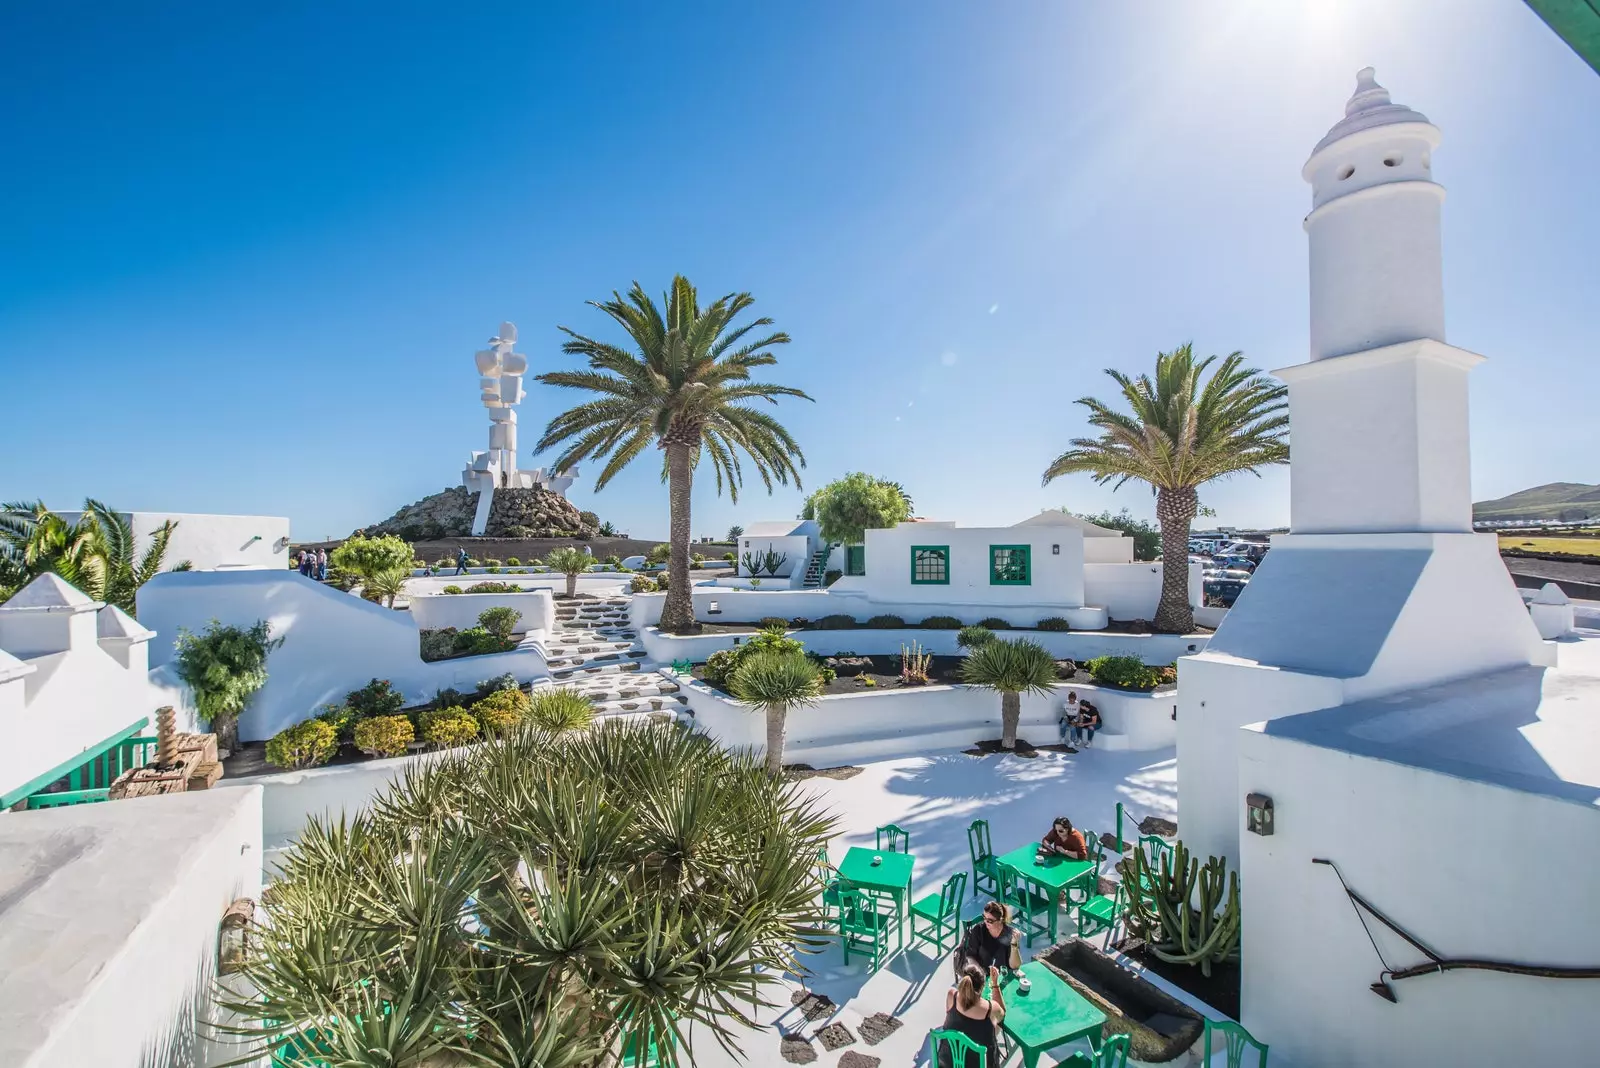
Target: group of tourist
[(989, 944), (1079, 720), (313, 564)]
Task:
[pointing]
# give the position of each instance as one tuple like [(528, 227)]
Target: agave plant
[(537, 902), (96, 553)]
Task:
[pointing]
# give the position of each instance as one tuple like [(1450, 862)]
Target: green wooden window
[(1010, 565), (855, 559), (930, 565)]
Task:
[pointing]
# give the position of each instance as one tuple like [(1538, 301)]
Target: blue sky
[(246, 254)]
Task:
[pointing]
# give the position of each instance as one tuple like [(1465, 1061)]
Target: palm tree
[(97, 553), (1181, 434), (682, 386), (539, 901), (384, 586), (572, 562), (1012, 668), (775, 681), (734, 532)]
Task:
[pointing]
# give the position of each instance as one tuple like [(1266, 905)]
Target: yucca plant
[(560, 710), (572, 562), (1180, 434), (683, 386), (776, 680), (384, 586), (537, 902), (1011, 668)]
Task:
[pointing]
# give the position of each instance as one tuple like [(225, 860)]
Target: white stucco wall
[(1107, 551), (211, 541), (798, 547), (108, 941), (461, 610), (1057, 578), (1439, 855), (855, 728), (334, 642), (750, 606), (1132, 591)]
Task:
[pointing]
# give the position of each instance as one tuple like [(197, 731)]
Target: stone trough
[(1161, 1026)]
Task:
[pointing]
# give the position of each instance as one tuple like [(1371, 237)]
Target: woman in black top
[(991, 942), (966, 1010)]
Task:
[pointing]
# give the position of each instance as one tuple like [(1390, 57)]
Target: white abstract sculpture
[(500, 371)]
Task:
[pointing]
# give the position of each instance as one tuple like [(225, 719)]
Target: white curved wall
[(431, 611), (334, 642)]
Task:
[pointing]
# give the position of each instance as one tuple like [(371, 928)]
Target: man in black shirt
[(989, 943)]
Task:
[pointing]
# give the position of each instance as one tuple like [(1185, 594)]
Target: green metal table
[(1049, 1014), (893, 876), (1055, 872)]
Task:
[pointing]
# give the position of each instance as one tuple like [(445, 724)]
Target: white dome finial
[(1369, 106), (1368, 94)]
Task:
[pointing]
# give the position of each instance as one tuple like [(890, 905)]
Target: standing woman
[(966, 1010)]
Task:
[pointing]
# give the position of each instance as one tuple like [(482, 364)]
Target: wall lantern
[(1055, 550), (1258, 813), (281, 544), (714, 610)]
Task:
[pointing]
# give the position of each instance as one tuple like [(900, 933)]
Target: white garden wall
[(1132, 591), (714, 604), (1447, 859), (856, 728), (797, 547), (432, 611), (333, 642), (212, 541)]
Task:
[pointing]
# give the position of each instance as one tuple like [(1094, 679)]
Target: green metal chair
[(828, 876), (652, 1052), (1089, 885), (1113, 1053), (1033, 905), (1154, 848), (867, 920), (899, 839), (959, 1051), (941, 912), (985, 868), (1100, 913), (1237, 1042)]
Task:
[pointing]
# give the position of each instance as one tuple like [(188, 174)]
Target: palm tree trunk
[(1175, 508), (1010, 713), (572, 584), (677, 614), (777, 729), (226, 728)]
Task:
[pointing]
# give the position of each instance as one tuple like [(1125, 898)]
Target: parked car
[(1237, 563), (1222, 592)]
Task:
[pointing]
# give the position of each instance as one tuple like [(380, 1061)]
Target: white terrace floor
[(935, 797)]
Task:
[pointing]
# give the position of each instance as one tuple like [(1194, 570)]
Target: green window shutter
[(1010, 565), (855, 559), (930, 565)]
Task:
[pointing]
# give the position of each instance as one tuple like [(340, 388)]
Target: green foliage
[(775, 676), (224, 667), (1018, 666), (735, 532), (340, 717), (448, 696), (832, 576), (974, 636), (384, 736), (642, 584), (770, 622), (914, 665), (614, 560), (847, 508), (437, 644), (1175, 926), (503, 681), (501, 712), (729, 557), (658, 554), (940, 623), (376, 698), (607, 530), (560, 710), (723, 664), (1145, 534), (304, 745), (825, 674), (446, 728), (479, 641), (443, 562), (385, 586), (663, 582), (1124, 672), (512, 561), (452, 588), (836, 622), (492, 562), (500, 621), (485, 587), (641, 847), (96, 553), (1055, 623), (886, 621), (366, 558), (994, 623), (569, 560)]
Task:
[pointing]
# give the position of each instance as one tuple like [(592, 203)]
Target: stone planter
[(1161, 1026)]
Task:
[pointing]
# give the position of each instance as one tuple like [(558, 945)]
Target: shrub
[(501, 712), (1126, 672), (698, 560), (492, 570), (366, 558), (836, 623), (443, 562), (1053, 623), (491, 562), (941, 623), (770, 622), (659, 554), (642, 584), (501, 622), (479, 641), (448, 696), (799, 621), (224, 667), (614, 560), (560, 710), (340, 717), (720, 667), (446, 728), (886, 621), (974, 636), (376, 698), (505, 681), (663, 580), (723, 664), (452, 588), (729, 557), (384, 736), (419, 565), (437, 644), (512, 561), (305, 745), (994, 623), (494, 587), (825, 674), (830, 577), (1168, 673), (473, 561)]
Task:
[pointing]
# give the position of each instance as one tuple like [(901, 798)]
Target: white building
[(1404, 719), (207, 542)]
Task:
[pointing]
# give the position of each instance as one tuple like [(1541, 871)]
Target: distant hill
[(1564, 501)]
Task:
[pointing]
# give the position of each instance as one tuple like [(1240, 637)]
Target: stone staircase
[(596, 652), (817, 568)]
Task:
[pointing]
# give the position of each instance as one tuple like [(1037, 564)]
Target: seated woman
[(989, 943), (1069, 716), (966, 1010), (1064, 841)]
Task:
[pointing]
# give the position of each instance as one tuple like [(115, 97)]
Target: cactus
[(772, 561), (1166, 917)]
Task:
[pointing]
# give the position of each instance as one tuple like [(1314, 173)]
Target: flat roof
[(1531, 728)]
